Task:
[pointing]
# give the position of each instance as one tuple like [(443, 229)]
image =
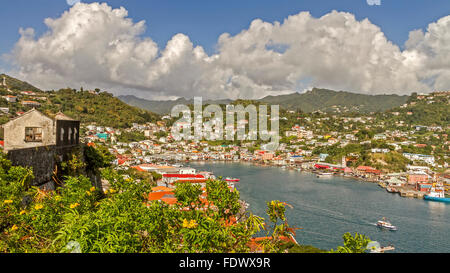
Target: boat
[(375, 247), (386, 224), (231, 179), (324, 175), (437, 194)]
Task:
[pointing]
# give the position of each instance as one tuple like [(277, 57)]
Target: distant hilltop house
[(30, 103), (10, 98), (34, 129), (28, 93)]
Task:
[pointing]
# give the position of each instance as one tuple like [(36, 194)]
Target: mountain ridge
[(314, 100)]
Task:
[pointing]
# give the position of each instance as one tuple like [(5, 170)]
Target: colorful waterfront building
[(413, 179)]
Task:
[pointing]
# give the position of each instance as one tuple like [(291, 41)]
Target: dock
[(387, 248), (411, 193)]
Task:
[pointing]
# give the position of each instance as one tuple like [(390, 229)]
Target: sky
[(228, 49)]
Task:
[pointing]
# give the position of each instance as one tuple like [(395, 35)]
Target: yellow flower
[(7, 201), (22, 212), (58, 198), (38, 207), (93, 189), (112, 191), (74, 205), (185, 223), (189, 224), (88, 192), (14, 228), (193, 224)]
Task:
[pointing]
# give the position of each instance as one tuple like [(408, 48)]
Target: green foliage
[(353, 244), (122, 220), (219, 194), (15, 84), (188, 194), (156, 176), (73, 166), (132, 136), (118, 221), (294, 248), (101, 108), (97, 157)]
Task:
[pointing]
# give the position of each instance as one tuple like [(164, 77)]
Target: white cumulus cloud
[(94, 45)]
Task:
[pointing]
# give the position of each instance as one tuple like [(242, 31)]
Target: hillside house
[(10, 98), (30, 103)]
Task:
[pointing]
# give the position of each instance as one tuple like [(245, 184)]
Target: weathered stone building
[(34, 129), (37, 141)]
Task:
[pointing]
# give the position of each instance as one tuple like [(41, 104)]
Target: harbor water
[(327, 208)]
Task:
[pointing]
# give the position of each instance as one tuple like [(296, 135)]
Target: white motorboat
[(324, 175), (386, 224)]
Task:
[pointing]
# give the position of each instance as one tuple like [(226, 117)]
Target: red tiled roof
[(255, 244), (161, 188), (138, 168), (364, 168), (170, 175), (158, 195), (191, 181)]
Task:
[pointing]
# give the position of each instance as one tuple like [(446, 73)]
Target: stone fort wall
[(43, 161)]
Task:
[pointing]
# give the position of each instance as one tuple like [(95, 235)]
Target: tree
[(356, 244)]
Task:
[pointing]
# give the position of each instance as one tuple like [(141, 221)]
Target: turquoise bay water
[(326, 208)]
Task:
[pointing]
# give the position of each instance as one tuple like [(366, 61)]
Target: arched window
[(70, 135), (75, 133)]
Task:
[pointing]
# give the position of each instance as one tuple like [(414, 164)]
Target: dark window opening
[(33, 134)]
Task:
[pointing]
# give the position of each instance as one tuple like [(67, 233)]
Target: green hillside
[(333, 101), (317, 99), (431, 110), (102, 108), (163, 107), (88, 106), (18, 85)]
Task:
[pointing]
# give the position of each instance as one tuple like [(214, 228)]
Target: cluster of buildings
[(25, 98), (298, 150)]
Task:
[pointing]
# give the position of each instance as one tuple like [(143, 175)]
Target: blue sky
[(204, 20), (311, 54)]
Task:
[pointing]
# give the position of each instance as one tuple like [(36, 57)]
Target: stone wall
[(43, 161)]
